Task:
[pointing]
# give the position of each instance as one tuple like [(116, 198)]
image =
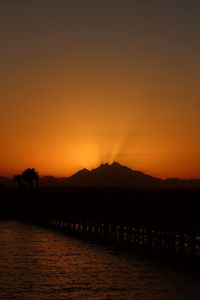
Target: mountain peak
[(112, 175), (115, 164), (110, 165)]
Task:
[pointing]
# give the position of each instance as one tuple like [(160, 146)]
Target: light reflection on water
[(40, 264)]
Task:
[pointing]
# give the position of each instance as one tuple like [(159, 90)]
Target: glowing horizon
[(83, 84)]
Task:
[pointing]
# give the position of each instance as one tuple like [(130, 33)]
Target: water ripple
[(38, 264)]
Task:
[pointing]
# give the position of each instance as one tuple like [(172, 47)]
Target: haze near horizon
[(87, 82)]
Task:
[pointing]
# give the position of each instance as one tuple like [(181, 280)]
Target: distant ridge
[(112, 175)]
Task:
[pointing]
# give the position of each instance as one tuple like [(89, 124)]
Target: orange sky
[(81, 85)]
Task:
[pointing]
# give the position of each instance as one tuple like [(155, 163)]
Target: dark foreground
[(155, 221), (171, 207)]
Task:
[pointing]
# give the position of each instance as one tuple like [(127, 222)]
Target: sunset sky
[(89, 81)]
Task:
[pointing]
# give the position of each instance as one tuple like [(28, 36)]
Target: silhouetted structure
[(182, 242), (29, 176)]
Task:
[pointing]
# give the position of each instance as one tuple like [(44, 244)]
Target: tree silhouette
[(18, 179), (31, 177)]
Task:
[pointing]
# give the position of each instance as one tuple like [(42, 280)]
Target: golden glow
[(83, 90), (60, 129)]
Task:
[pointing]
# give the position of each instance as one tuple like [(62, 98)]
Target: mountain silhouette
[(113, 175), (51, 181)]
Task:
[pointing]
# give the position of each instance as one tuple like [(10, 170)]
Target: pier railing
[(183, 241)]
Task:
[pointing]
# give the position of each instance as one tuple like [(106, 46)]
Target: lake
[(40, 264)]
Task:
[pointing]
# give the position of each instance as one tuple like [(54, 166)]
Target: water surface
[(39, 264)]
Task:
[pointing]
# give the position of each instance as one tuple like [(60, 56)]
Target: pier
[(154, 222), (183, 242)]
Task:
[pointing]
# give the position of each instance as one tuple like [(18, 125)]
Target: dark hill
[(51, 181), (111, 175), (114, 175)]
